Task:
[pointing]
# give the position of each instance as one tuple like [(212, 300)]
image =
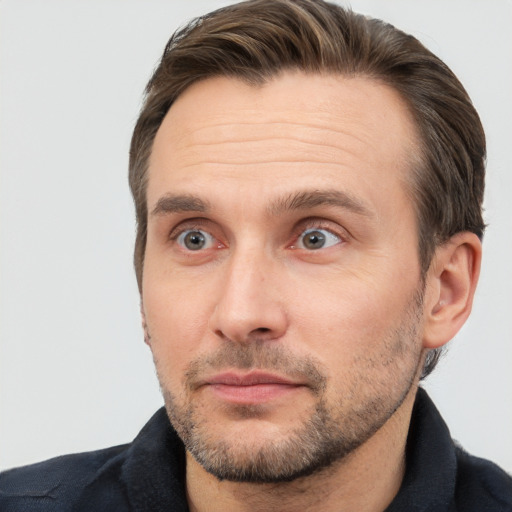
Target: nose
[(250, 303)]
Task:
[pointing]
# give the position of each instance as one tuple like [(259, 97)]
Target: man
[(308, 186)]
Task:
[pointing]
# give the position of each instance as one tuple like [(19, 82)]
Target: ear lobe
[(451, 285), (147, 337)]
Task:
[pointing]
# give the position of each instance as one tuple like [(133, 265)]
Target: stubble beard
[(328, 435)]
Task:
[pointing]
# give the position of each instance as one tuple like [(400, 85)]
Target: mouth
[(250, 388)]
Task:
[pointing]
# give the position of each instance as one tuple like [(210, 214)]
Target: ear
[(147, 337), (450, 288)]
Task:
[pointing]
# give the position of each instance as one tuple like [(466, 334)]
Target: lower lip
[(254, 394)]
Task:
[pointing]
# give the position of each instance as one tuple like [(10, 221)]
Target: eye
[(195, 239), (313, 239)]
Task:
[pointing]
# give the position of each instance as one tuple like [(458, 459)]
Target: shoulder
[(481, 484), (56, 483), (146, 474)]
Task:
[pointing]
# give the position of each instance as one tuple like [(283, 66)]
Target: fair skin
[(282, 289)]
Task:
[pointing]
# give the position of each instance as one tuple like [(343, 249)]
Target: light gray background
[(74, 372)]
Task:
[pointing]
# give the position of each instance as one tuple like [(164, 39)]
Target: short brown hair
[(256, 40)]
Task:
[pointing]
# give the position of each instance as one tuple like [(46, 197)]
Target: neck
[(367, 480)]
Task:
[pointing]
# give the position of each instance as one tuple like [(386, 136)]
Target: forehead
[(297, 129)]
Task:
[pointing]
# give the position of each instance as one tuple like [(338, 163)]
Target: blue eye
[(195, 240), (314, 239)]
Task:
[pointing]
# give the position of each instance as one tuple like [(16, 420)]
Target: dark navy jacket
[(148, 475)]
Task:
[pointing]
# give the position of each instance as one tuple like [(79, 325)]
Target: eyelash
[(301, 229), (317, 224), (193, 225)]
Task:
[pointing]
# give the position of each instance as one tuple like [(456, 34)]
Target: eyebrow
[(171, 203), (300, 200), (308, 199)]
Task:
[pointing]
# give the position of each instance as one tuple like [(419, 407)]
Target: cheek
[(364, 341), (351, 318), (177, 320)]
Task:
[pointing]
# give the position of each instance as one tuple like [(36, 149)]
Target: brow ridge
[(299, 200), (178, 203), (308, 199)]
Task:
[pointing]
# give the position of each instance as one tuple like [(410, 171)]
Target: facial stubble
[(325, 434)]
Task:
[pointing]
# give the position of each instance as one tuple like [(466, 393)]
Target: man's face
[(281, 287)]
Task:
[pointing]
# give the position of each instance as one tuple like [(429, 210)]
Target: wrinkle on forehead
[(303, 130), (226, 121)]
